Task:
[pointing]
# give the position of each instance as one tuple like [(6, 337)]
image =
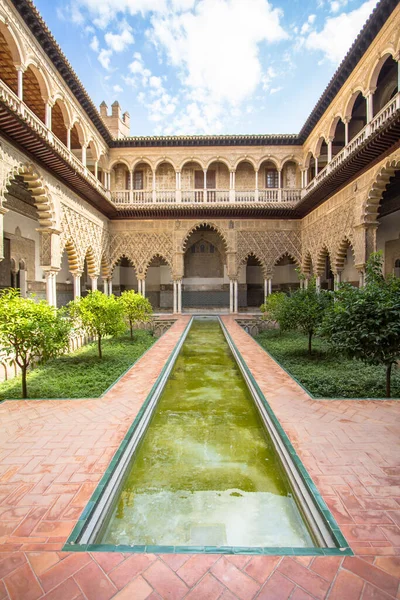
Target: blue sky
[(207, 66)]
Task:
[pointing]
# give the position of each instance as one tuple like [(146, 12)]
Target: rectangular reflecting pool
[(206, 472)]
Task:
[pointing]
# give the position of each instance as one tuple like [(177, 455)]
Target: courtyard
[(54, 453)]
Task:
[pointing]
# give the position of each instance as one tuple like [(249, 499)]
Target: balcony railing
[(370, 128), (25, 113), (124, 198)]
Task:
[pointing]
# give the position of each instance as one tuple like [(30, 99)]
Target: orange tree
[(31, 330)]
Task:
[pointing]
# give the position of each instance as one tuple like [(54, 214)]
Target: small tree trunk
[(131, 326), (99, 346), (24, 386), (310, 334), (388, 376)]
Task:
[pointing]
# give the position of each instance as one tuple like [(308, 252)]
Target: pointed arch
[(257, 257), (374, 197), (340, 256), (91, 262), (72, 255), (295, 259), (105, 267), (128, 257), (307, 265), (323, 253), (40, 193), (157, 255), (209, 225)]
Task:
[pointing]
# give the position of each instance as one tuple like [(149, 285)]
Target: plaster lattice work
[(71, 217), (86, 236), (327, 232), (268, 247), (140, 248)]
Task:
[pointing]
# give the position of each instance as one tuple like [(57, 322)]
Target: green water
[(206, 472)]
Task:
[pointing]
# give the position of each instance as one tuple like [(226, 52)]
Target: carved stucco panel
[(268, 246), (140, 248)]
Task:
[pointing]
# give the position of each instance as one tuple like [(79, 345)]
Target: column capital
[(76, 274)]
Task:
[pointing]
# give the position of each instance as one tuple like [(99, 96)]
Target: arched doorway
[(254, 282), (284, 275), (345, 264), (159, 285), (388, 232), (21, 241), (205, 281), (124, 276)]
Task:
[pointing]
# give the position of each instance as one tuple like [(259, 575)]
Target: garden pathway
[(53, 453)]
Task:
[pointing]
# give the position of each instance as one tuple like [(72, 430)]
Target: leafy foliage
[(324, 373), (304, 310), (364, 323), (81, 374), (99, 315), (136, 308), (272, 307), (31, 330)]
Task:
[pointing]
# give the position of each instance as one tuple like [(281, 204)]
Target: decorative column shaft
[(110, 289), (77, 284), (94, 283), (175, 307), (179, 296), (235, 297), (143, 288), (265, 289), (84, 156), (269, 286), (55, 289), (47, 118), (49, 287), (231, 302), (20, 84), (105, 286), (22, 282), (69, 138)]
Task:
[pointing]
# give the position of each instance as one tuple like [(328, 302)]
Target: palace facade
[(196, 221)]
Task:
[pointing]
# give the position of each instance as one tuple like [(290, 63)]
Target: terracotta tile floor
[(53, 453)]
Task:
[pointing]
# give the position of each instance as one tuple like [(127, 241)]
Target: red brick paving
[(53, 454)]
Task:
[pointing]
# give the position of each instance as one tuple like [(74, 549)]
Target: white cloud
[(276, 89), (117, 89), (307, 25), (94, 44), (209, 60), (104, 12), (118, 42), (105, 58), (336, 5), (338, 33)]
